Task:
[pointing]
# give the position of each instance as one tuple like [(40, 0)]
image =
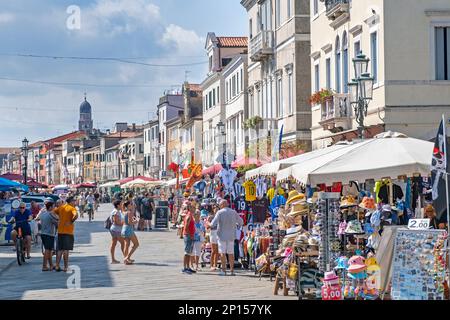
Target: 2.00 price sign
[(419, 224)]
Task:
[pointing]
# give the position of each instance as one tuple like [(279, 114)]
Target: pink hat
[(356, 264), (331, 278)]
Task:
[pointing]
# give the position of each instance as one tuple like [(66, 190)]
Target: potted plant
[(320, 97)]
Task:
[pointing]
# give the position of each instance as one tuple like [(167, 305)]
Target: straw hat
[(348, 201), (298, 208), (294, 196), (368, 203)]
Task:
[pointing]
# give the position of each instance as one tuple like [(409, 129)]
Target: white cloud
[(114, 17), (6, 17), (186, 42)]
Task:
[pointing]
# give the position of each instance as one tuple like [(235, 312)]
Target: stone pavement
[(155, 275)]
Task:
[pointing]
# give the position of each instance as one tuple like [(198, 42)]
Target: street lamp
[(221, 131), (361, 91), (25, 157), (133, 163), (82, 162)]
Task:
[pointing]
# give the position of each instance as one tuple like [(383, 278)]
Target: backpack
[(108, 223)]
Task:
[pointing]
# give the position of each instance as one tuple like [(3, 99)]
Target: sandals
[(128, 262), (45, 269), (58, 269)]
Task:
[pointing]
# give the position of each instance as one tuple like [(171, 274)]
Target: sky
[(40, 96)]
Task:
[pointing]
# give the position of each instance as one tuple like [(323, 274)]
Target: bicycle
[(90, 212), (20, 246)]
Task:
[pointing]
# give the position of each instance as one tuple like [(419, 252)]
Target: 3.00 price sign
[(419, 224)]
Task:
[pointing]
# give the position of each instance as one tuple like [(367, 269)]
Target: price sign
[(419, 224), (331, 293)]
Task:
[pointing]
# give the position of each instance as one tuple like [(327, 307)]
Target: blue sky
[(154, 31)]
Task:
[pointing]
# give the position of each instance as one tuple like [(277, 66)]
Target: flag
[(196, 175), (439, 161)]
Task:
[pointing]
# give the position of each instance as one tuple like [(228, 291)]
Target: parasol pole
[(446, 188)]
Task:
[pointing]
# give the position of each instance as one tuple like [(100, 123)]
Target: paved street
[(156, 274)]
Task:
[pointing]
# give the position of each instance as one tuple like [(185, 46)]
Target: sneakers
[(186, 271), (192, 271)]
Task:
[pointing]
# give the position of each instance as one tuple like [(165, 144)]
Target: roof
[(91, 149), (68, 136), (9, 150), (36, 144), (123, 134), (233, 41), (195, 87)]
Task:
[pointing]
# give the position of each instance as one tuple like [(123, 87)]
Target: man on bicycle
[(90, 200), (22, 217)]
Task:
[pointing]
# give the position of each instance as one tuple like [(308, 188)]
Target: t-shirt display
[(276, 203), (260, 209), (261, 187), (228, 176), (250, 191)]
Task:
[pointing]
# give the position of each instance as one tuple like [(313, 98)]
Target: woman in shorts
[(116, 230), (128, 233), (49, 226), (214, 240)]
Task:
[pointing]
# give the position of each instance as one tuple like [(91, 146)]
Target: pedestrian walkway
[(155, 275)]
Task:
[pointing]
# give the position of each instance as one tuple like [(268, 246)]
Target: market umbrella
[(272, 168), (213, 169), (12, 176), (110, 184), (142, 183), (7, 185), (389, 154), (35, 184)]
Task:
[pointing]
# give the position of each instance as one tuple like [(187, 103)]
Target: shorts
[(115, 234), (127, 231), (65, 242), (226, 247), (197, 251), (213, 237), (25, 231), (188, 245), (147, 216), (48, 242)]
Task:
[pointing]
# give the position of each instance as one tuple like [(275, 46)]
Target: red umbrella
[(12, 176), (213, 169), (85, 185), (35, 184)]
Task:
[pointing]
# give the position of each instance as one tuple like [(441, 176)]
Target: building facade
[(151, 149), (279, 70), (407, 42)]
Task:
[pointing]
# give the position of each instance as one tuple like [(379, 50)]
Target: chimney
[(134, 127), (187, 100)]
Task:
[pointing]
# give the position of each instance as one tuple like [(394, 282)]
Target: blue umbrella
[(7, 185)]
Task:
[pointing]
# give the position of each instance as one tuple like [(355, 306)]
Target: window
[(278, 13), (252, 105), (242, 80), (289, 8), (316, 7), (374, 52), (233, 94), (226, 91), (316, 78), (250, 28), (210, 63), (338, 65), (210, 99), (226, 61), (328, 71), (291, 92), (237, 83), (141, 148), (214, 97), (442, 55), (280, 97), (345, 63), (218, 99), (357, 48)]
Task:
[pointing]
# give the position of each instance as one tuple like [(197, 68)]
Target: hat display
[(356, 264), (386, 208), (354, 227), (331, 278), (294, 195), (347, 202), (293, 230), (368, 203), (298, 208), (314, 198)]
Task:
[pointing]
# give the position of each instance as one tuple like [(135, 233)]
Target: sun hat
[(368, 203), (354, 227), (295, 195), (357, 276), (331, 278), (347, 202), (298, 208), (356, 264), (342, 263)]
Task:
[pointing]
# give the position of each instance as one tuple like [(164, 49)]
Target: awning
[(35, 184), (388, 155), (85, 185), (173, 182), (213, 169), (110, 184), (141, 183), (13, 176)]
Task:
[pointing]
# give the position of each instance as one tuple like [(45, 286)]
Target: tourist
[(49, 224), (116, 230), (81, 204), (21, 218), (188, 235), (127, 232), (213, 239), (430, 213), (199, 238), (147, 208), (226, 221), (67, 214)]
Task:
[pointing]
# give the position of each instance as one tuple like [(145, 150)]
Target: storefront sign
[(419, 224), (162, 217), (331, 293)]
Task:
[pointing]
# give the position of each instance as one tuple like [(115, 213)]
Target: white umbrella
[(388, 155), (140, 183), (271, 169), (110, 184)]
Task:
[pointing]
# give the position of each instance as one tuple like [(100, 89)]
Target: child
[(199, 238)]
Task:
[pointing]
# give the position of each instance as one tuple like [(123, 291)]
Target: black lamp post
[(25, 158), (361, 91), (221, 131)]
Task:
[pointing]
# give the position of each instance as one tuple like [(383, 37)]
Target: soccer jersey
[(228, 176), (261, 187), (250, 191)]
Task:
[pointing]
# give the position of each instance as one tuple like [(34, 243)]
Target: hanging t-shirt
[(200, 186), (276, 203), (260, 208), (250, 191), (238, 189), (261, 187), (228, 176), (271, 193)]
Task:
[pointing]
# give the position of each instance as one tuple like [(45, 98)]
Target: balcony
[(338, 11), (336, 113), (261, 46), (262, 129)]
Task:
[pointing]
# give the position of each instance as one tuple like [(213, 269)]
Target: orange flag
[(196, 175)]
